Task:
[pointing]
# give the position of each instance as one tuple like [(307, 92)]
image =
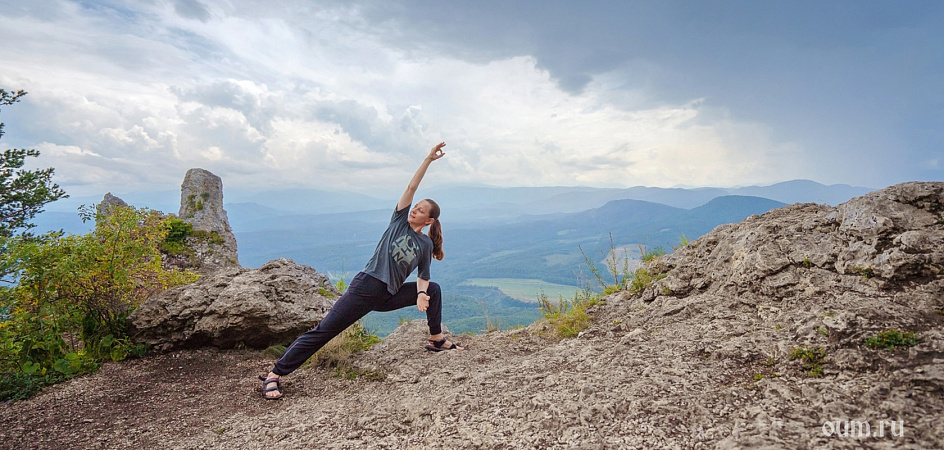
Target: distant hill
[(251, 210), (309, 200), (485, 203), (549, 248), (545, 247), (804, 191), (490, 231)]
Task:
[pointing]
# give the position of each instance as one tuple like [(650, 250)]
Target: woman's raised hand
[(437, 151)]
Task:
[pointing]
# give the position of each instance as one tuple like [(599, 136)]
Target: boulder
[(236, 306)]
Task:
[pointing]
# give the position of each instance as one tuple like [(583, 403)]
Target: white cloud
[(324, 99)]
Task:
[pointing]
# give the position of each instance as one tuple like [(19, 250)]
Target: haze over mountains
[(337, 230), (535, 234)]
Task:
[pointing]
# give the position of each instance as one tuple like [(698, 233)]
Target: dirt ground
[(614, 386), (192, 398), (144, 403)]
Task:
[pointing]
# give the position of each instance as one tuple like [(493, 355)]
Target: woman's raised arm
[(407, 198)]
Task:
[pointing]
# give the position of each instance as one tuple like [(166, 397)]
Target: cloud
[(351, 95), (192, 9)]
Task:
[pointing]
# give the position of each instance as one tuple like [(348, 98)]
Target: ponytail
[(435, 231)]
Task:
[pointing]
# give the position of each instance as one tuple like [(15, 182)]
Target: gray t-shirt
[(399, 252)]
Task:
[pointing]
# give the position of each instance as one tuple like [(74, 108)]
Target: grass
[(324, 292), (812, 360), (866, 272), (337, 352), (617, 266), (890, 339), (649, 256), (643, 279), (568, 318), (491, 324)]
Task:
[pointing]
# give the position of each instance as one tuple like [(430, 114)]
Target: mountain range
[(543, 236), (489, 230)]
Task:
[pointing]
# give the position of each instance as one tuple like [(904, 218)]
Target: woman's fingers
[(422, 303), (437, 151)]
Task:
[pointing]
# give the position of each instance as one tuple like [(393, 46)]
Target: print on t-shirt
[(404, 250)]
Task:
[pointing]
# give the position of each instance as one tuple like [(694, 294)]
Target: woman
[(380, 286)]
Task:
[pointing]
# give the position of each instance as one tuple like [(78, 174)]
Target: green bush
[(812, 360), (67, 311), (892, 338), (177, 233)]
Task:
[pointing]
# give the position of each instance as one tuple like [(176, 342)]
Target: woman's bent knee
[(434, 290)]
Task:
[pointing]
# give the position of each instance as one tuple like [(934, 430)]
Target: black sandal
[(266, 390), (439, 346)]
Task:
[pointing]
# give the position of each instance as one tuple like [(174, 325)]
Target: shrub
[(73, 293), (177, 233), (892, 338), (812, 360)]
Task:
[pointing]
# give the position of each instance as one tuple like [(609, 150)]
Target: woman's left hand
[(437, 151), (422, 302)]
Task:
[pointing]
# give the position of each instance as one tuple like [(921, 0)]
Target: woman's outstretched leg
[(351, 307)]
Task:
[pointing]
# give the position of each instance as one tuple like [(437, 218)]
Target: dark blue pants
[(364, 294)]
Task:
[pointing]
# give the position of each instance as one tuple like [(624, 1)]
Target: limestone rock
[(108, 202), (201, 205), (883, 239), (253, 307)]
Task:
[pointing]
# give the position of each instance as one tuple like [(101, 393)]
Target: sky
[(125, 96)]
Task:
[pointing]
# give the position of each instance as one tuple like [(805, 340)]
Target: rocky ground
[(700, 359)]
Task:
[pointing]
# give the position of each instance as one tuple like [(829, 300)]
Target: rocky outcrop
[(108, 203), (201, 205), (760, 328), (236, 306), (879, 243)]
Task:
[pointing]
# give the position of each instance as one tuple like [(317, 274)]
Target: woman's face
[(419, 215)]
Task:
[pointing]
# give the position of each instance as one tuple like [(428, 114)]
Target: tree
[(23, 193)]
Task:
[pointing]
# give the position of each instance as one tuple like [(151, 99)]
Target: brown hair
[(435, 230)]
